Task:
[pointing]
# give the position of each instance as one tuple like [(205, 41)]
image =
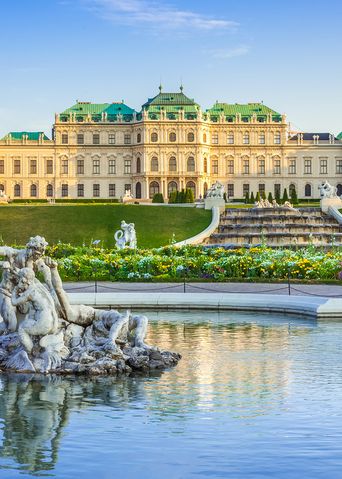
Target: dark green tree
[(173, 196), (247, 198), (158, 198), (270, 197), (294, 198), (257, 198), (252, 199), (285, 196), (189, 196)]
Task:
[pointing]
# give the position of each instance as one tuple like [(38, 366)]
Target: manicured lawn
[(78, 224)]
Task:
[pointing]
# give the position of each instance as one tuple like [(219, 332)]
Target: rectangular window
[(33, 167), (323, 166), (339, 166), (261, 167), (96, 190), (16, 167), (307, 167), (276, 167), (261, 138), (96, 139), (111, 138), (65, 190), (127, 139), (127, 164), (111, 167), (277, 190), (80, 190), (49, 167), (214, 167), (214, 139), (65, 138), (245, 167), (230, 167), (292, 166), (230, 190), (245, 138), (245, 190), (65, 167), (80, 167), (2, 167), (80, 139), (111, 190), (277, 138), (261, 188), (230, 138), (96, 167)]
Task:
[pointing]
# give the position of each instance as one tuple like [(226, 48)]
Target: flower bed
[(198, 263)]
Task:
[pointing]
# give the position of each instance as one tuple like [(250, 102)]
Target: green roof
[(31, 135), (172, 104), (245, 110), (339, 136), (82, 109)]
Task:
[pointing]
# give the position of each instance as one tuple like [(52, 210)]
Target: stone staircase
[(276, 227)]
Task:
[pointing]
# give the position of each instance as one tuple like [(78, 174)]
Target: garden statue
[(216, 190), (126, 237), (328, 191), (3, 197), (40, 331)]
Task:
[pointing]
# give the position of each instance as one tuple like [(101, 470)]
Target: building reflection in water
[(238, 369)]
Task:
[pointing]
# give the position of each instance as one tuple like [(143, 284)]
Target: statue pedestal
[(210, 203), (327, 202)]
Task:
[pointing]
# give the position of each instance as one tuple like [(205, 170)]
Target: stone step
[(323, 228)]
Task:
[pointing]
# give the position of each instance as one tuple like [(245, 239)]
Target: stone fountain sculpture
[(40, 331), (126, 237), (329, 198)]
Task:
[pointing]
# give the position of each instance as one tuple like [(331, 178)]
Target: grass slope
[(80, 224)]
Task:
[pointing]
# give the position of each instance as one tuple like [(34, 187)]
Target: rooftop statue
[(40, 331)]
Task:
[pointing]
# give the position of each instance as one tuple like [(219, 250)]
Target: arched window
[(154, 188), (172, 137), (307, 190), (205, 165), (154, 137), (139, 138), (17, 190), (138, 190), (292, 189), (2, 188), (339, 189), (33, 190), (191, 186), (191, 137), (154, 164), (172, 186), (204, 137), (205, 188), (49, 190), (138, 165), (172, 164), (245, 138), (191, 163)]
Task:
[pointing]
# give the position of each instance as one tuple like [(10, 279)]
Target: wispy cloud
[(156, 15), (226, 53)]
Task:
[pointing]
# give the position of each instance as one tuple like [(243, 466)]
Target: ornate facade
[(101, 150)]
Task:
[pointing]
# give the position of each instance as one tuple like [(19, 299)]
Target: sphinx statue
[(41, 331), (126, 237)]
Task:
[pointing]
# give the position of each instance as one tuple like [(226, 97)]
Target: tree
[(270, 197), (263, 195), (294, 198), (189, 196), (285, 196), (277, 196), (252, 199), (257, 198), (173, 196), (158, 198), (247, 198)]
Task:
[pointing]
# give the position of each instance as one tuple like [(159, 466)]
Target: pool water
[(254, 396)]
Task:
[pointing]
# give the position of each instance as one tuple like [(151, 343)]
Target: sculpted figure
[(216, 190), (126, 237), (327, 190), (8, 312)]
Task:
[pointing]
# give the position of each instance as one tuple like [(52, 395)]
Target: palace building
[(101, 150)]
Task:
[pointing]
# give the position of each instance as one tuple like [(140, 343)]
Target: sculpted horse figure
[(327, 190), (216, 190)]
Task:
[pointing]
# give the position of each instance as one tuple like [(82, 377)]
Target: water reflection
[(238, 370)]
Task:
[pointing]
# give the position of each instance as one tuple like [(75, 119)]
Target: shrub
[(257, 198), (294, 198), (252, 200), (270, 197), (189, 196), (158, 198), (285, 196)]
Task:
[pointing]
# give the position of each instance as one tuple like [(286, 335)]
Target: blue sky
[(287, 54)]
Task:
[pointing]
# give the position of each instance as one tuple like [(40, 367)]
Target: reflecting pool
[(254, 396)]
